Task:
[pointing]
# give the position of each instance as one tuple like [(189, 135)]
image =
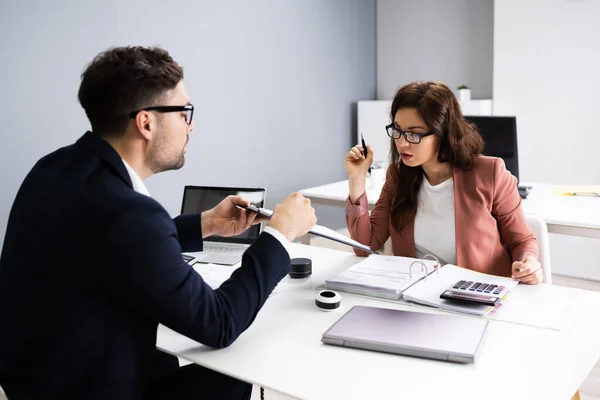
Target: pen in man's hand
[(362, 139)]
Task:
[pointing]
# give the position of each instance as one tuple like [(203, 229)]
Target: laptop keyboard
[(224, 250)]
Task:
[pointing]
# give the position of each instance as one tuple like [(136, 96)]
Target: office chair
[(500, 140), (540, 230)]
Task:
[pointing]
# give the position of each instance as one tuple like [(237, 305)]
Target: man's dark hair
[(125, 79)]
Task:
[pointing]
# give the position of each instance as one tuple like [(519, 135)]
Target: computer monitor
[(197, 199), (500, 137)]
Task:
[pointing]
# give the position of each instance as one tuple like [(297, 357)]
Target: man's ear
[(145, 124)]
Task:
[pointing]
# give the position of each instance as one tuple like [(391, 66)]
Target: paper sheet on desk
[(576, 190), (542, 306), (214, 275)]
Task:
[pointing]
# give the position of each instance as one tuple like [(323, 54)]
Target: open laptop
[(435, 336), (219, 249)]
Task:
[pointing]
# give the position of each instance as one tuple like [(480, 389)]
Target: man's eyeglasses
[(411, 137), (189, 109)]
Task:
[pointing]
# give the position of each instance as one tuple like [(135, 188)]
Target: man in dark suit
[(91, 264)]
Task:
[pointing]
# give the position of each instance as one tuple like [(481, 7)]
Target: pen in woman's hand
[(362, 139)]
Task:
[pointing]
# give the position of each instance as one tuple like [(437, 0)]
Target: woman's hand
[(355, 162), (528, 271)]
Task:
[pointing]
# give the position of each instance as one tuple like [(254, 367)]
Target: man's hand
[(228, 220), (294, 217), (528, 271)]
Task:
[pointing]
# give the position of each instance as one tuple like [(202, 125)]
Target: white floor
[(590, 389)]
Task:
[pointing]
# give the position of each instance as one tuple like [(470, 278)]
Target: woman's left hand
[(529, 271)]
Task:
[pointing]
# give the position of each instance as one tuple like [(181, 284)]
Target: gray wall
[(447, 41), (273, 82)]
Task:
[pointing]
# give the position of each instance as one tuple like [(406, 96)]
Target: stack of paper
[(381, 276), (428, 292)]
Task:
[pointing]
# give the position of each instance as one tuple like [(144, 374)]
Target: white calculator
[(475, 292)]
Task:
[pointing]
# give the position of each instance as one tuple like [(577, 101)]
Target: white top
[(435, 231), (138, 186)]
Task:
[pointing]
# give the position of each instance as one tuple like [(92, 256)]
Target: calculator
[(475, 292)]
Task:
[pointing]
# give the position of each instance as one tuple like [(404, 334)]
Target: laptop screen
[(197, 199)]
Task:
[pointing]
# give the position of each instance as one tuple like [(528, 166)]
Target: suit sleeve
[(189, 232), (508, 212), (372, 230), (149, 274)]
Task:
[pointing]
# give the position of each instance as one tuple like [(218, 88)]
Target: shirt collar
[(136, 181)]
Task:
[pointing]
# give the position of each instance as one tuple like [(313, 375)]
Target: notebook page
[(428, 291)]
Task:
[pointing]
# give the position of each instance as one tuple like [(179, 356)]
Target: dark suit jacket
[(89, 267)]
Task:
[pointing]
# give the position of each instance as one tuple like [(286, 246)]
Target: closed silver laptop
[(436, 336), (219, 249)]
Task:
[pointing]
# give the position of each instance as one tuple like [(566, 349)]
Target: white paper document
[(214, 275), (322, 231), (327, 233)]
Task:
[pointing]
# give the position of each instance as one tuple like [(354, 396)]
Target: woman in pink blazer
[(441, 196)]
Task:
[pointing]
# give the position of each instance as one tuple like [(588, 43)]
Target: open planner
[(419, 281)]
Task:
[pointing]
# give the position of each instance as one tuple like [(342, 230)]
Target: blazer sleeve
[(508, 212), (189, 232), (146, 271), (372, 230)]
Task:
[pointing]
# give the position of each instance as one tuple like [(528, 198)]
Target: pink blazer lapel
[(460, 211)]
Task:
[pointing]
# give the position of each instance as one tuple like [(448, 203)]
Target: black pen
[(362, 139)]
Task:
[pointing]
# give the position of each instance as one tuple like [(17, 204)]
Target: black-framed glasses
[(189, 109), (411, 137)]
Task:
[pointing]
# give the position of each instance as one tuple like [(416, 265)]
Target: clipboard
[(317, 230)]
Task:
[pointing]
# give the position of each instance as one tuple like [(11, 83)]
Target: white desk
[(282, 351), (575, 216)]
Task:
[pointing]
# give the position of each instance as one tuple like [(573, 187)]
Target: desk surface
[(557, 211), (282, 351)]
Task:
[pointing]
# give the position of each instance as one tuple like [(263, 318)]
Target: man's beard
[(158, 161)]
